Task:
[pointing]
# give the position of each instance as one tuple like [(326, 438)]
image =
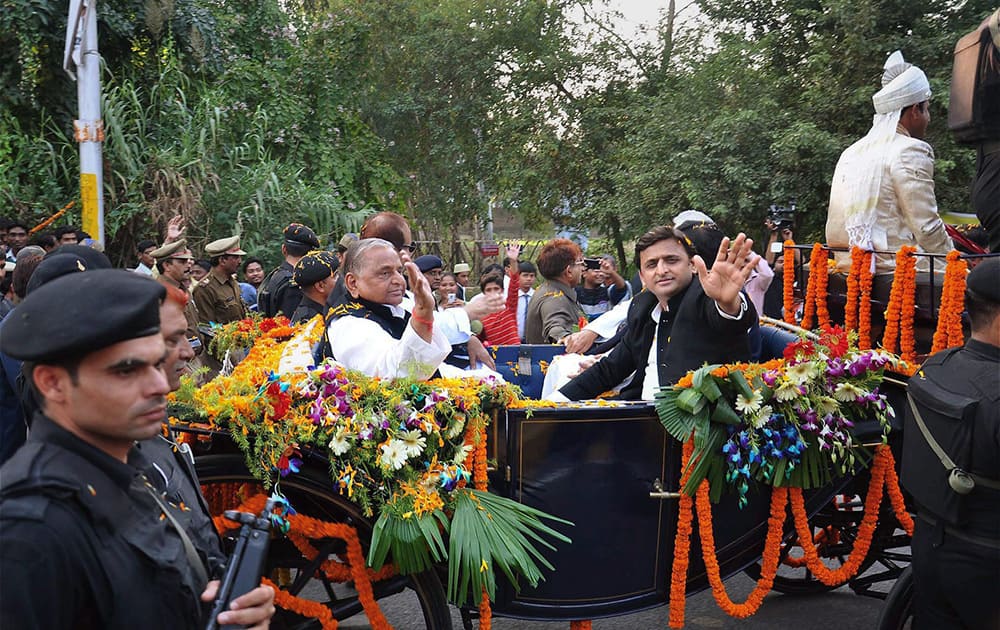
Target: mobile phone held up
[(592, 263)]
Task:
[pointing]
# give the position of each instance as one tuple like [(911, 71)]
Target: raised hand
[(175, 229), (423, 301), (513, 250), (733, 265)]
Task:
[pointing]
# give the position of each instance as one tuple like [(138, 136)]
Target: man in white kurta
[(882, 194), (374, 334)]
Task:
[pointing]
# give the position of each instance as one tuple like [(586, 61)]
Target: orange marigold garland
[(896, 494), (769, 563), (682, 544), (476, 435), (949, 327), (865, 302), (853, 286), (300, 606), (819, 278), (580, 625), (788, 281), (866, 531), (908, 309), (893, 309)]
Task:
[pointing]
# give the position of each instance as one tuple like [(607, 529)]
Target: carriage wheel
[(897, 613), (310, 493), (835, 528)]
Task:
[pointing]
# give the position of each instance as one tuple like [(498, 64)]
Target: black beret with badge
[(298, 234), (79, 313), (984, 280), (313, 267), (66, 260)]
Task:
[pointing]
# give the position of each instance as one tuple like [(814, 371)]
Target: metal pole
[(88, 130)]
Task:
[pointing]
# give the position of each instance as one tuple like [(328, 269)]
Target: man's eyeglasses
[(410, 247)]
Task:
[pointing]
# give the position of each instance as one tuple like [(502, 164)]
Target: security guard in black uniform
[(314, 277), (277, 294), (87, 538), (951, 467)]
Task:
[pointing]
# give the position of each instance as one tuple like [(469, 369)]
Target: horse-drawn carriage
[(615, 473)]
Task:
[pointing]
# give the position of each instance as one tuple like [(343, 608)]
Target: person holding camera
[(593, 296)]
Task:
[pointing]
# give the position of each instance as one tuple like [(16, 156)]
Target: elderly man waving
[(371, 332)]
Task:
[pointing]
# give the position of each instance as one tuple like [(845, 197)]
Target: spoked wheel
[(403, 599), (897, 613)]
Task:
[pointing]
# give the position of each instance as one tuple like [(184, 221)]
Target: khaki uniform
[(219, 302), (553, 313), (190, 311)]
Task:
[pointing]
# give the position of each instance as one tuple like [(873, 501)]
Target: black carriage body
[(596, 466)]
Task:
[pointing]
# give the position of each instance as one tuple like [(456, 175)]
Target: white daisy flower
[(787, 391), (414, 442), (848, 392), (749, 405), (393, 455), (340, 443)]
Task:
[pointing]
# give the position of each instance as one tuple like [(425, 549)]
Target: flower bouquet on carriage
[(411, 455), (787, 422)]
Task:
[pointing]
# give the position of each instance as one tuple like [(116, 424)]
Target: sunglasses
[(410, 247)]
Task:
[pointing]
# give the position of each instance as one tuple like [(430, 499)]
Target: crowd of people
[(88, 354)]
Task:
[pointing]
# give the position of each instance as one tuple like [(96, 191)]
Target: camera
[(592, 263), (451, 298), (781, 217)]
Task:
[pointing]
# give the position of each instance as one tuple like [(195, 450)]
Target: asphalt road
[(840, 609)]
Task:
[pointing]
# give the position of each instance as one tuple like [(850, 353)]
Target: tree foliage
[(249, 115)]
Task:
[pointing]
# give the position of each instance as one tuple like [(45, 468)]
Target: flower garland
[(853, 286), (899, 313), (949, 327), (788, 281), (770, 560), (315, 529), (816, 291), (865, 279), (866, 530), (883, 477), (682, 543), (477, 436), (580, 625)]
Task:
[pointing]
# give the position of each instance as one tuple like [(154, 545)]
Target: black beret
[(427, 262), (95, 259), (984, 280), (298, 234), (64, 260), (79, 313), (313, 267)]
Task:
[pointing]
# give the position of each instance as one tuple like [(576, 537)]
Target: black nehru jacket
[(694, 333), (82, 541)]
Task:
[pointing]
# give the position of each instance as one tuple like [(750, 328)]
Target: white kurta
[(906, 212), (361, 344)]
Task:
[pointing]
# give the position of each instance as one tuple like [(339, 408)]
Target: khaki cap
[(462, 268), (176, 249), (225, 247)]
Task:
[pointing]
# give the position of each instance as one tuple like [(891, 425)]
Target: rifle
[(246, 564)]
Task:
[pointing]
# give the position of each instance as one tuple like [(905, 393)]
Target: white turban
[(903, 84)]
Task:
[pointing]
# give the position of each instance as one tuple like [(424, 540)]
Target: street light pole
[(82, 61)]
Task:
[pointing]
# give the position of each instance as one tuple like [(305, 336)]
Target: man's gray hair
[(29, 251), (357, 253)]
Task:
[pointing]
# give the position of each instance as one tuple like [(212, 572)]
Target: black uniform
[(277, 294), (83, 544), (307, 310), (956, 540)]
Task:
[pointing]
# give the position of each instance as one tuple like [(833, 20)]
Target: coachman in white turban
[(882, 194)]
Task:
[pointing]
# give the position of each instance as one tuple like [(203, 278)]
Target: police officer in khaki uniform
[(951, 467), (173, 264), (218, 296)]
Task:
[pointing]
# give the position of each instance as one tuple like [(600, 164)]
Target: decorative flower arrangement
[(786, 422), (241, 334), (399, 448)]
